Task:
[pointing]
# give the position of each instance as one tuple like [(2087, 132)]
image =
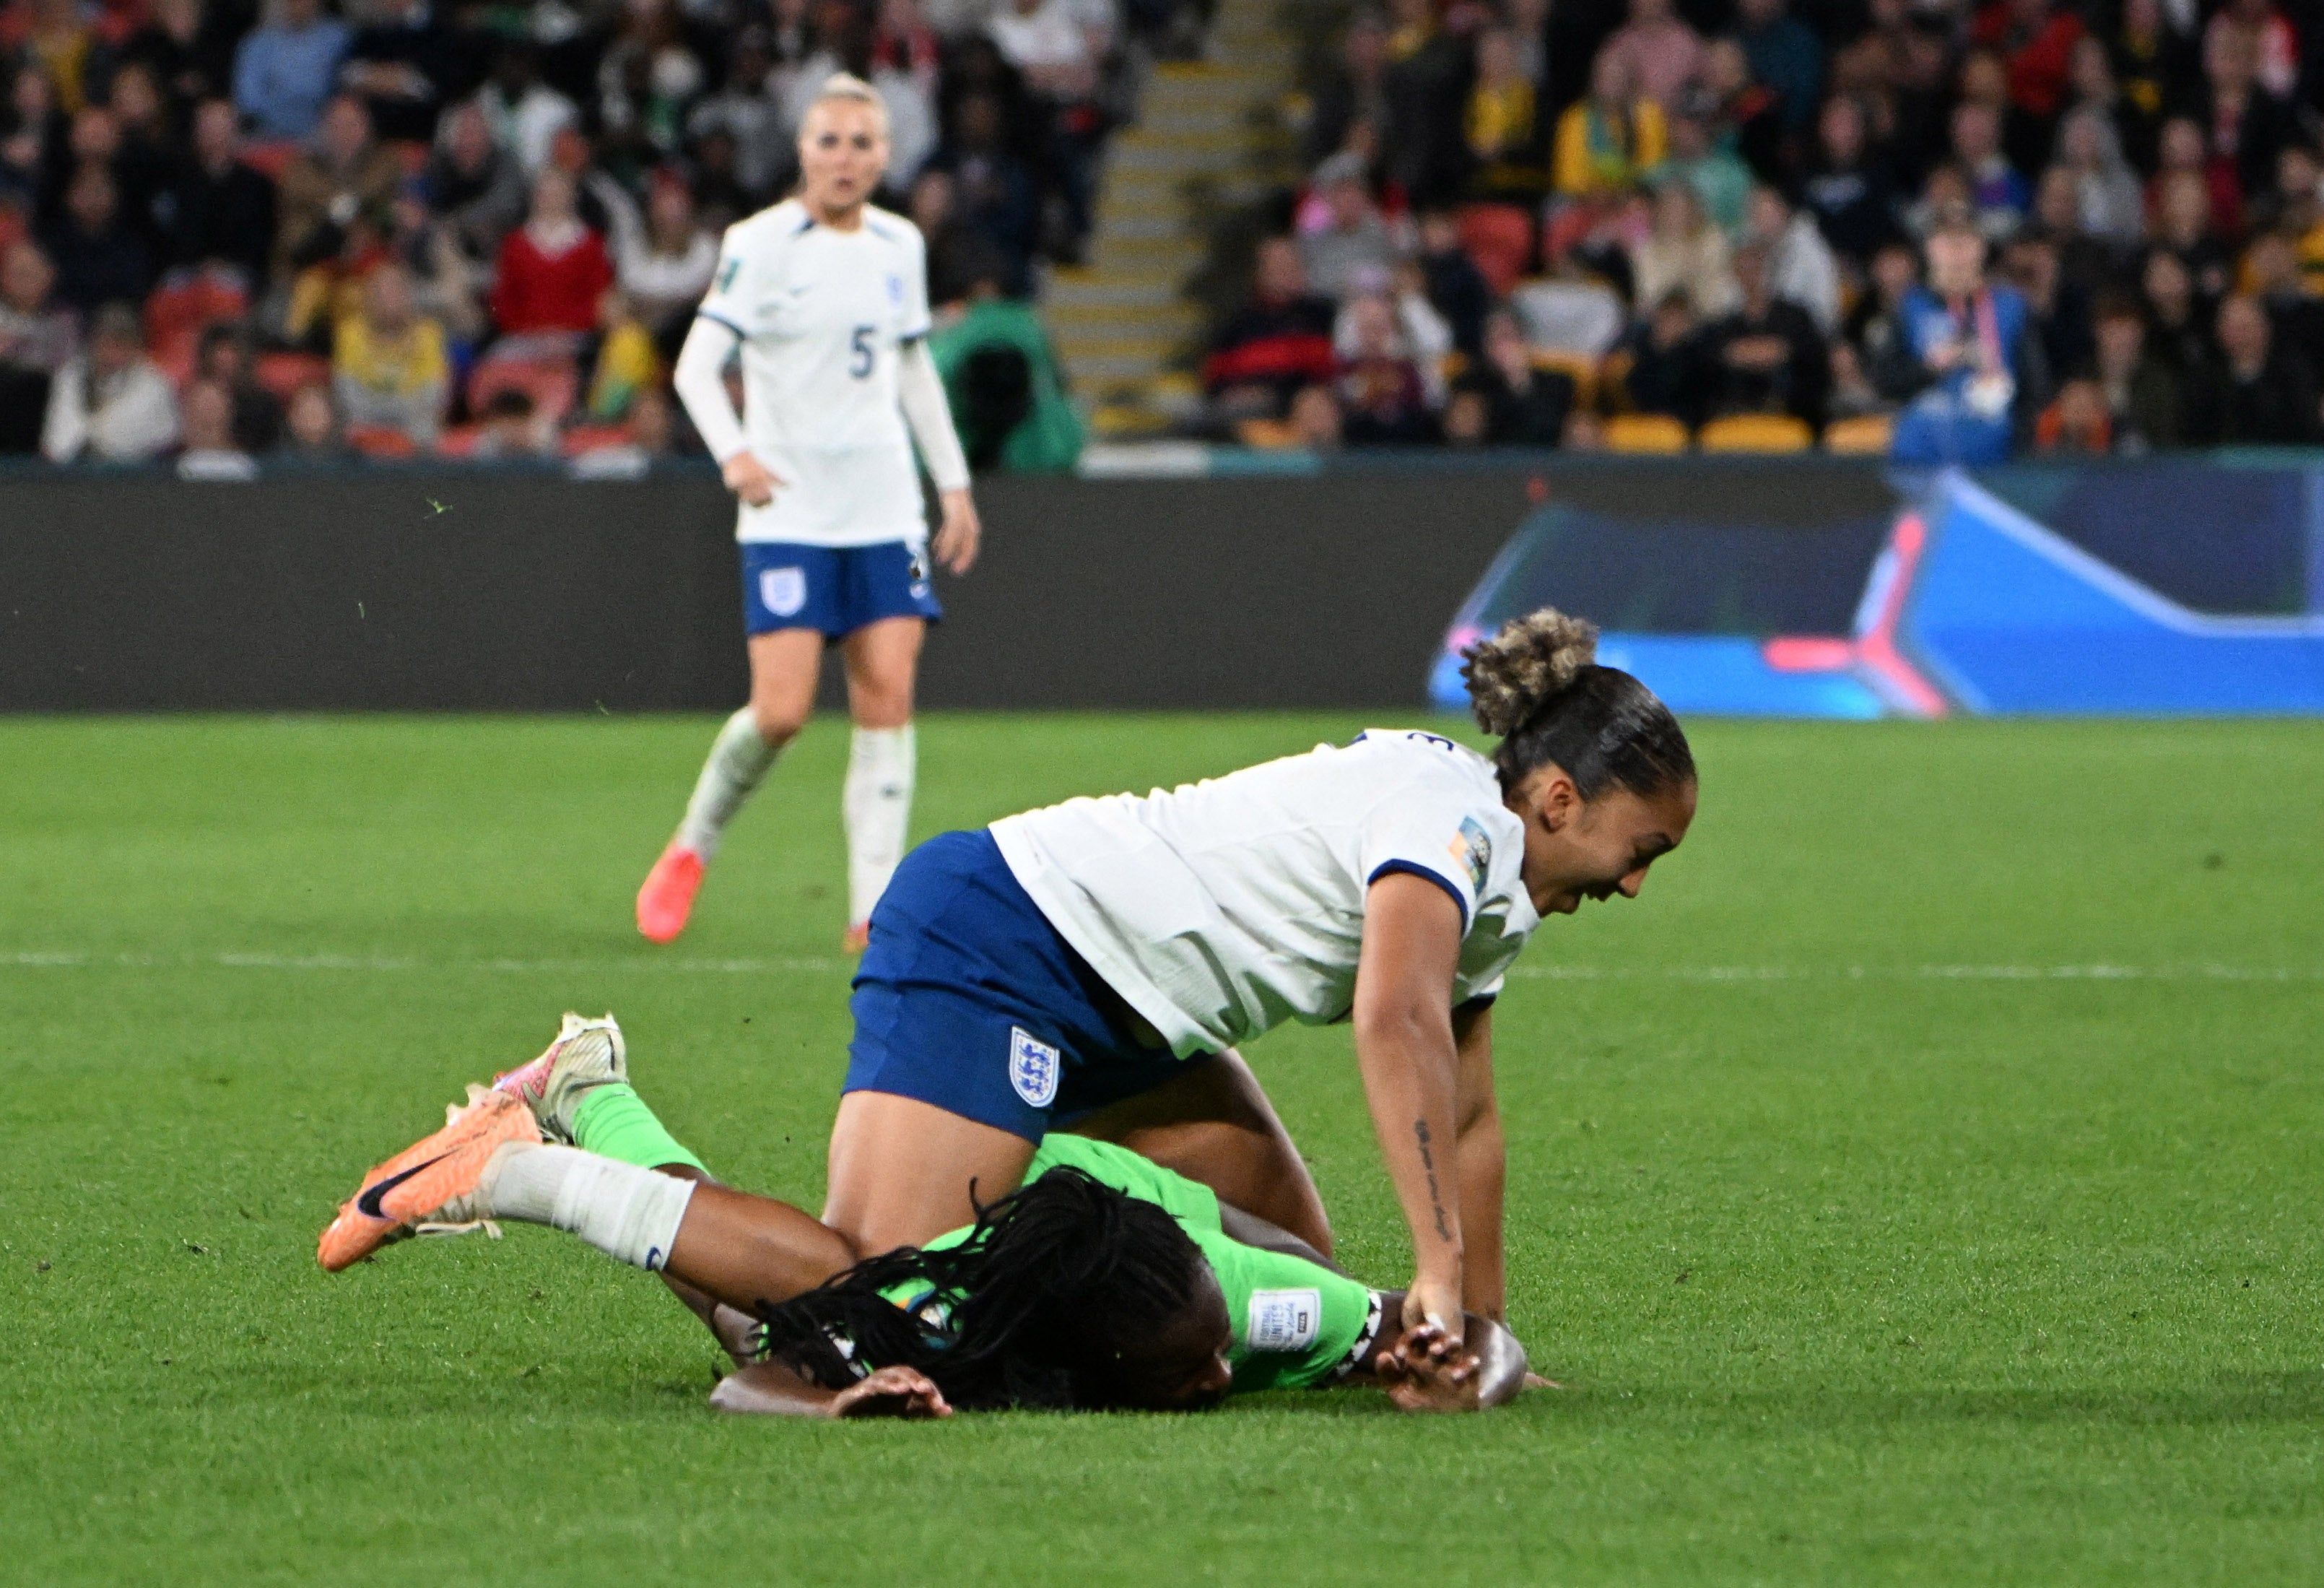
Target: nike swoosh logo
[(368, 1203)]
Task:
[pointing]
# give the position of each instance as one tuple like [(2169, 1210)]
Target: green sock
[(613, 1121)]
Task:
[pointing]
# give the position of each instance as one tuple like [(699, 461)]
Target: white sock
[(739, 759), (629, 1214), (878, 806)]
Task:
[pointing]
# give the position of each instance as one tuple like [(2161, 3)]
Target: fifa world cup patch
[(782, 590), (1285, 1320), (1472, 846), (1034, 1067)]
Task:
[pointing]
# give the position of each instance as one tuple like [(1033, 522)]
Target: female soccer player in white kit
[(1091, 967), (828, 297)]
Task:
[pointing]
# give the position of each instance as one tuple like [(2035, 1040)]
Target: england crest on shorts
[(1034, 1067), (782, 590)]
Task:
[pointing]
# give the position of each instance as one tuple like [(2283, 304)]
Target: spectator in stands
[(1278, 342), (221, 211), (1456, 288), (1420, 139), (1744, 118), (2057, 313), (1716, 173), (94, 139), (1661, 52), (1524, 406), (525, 114), (1768, 355), (2076, 424), (211, 455), (1059, 48), (342, 179), (2107, 204), (284, 71), (994, 188), (2248, 126), (2144, 404), (2036, 42), (2267, 397), (1801, 268), (627, 360), (2271, 275), (552, 269), (403, 63), (478, 188), (2176, 327), (512, 427), (1383, 397), (648, 78), (1970, 340), (1352, 92), (2155, 67), (37, 338), (2131, 130), (1851, 192), (1664, 370), (666, 266), (2275, 44), (1786, 56), (2089, 263), (1612, 140), (1882, 370), (313, 424), (188, 49), (254, 418), (1468, 419), (956, 256), (59, 37), (1316, 419), (444, 279), (1683, 254), (2183, 147), (99, 255), (1004, 385), (109, 403), (1503, 133), (1353, 237), (147, 158), (388, 362), (1997, 192), (31, 136), (2182, 224), (2299, 211), (743, 111)]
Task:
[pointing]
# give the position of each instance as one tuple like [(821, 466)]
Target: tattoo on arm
[(1428, 1162)]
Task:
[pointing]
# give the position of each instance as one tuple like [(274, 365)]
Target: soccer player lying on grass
[(1104, 1281)]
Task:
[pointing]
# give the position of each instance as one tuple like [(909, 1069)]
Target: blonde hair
[(1533, 657), (846, 87)]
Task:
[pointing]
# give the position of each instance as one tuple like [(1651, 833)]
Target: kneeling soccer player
[(1105, 1280)]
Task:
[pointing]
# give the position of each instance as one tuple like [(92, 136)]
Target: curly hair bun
[(1531, 660)]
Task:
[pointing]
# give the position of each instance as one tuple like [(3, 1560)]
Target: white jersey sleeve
[(749, 258)]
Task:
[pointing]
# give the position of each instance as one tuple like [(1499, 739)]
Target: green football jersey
[(1295, 1322)]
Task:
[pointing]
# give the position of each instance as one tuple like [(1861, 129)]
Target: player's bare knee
[(777, 724)]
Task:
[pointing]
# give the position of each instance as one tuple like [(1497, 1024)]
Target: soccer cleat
[(430, 1183), (585, 1053), (667, 897), (858, 938)]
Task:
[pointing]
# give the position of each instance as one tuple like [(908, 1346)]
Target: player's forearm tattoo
[(1428, 1162)]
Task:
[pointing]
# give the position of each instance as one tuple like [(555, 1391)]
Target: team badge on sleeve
[(1285, 1320), (1472, 846), (1034, 1067)]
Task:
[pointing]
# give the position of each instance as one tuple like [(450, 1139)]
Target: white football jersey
[(822, 315), (1220, 909)]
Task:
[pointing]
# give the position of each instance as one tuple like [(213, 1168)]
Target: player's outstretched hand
[(1420, 1374), (891, 1392), (960, 535), (1432, 1312), (749, 479)]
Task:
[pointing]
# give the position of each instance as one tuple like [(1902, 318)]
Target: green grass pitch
[(1921, 1184)]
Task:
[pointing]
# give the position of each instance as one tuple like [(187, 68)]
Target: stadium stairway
[(1209, 138)]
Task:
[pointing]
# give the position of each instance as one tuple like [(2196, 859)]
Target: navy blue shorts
[(968, 998), (837, 589)]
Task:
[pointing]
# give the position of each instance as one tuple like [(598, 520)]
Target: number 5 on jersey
[(860, 346)]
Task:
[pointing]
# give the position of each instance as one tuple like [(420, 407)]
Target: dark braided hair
[(1536, 684), (1052, 1285)]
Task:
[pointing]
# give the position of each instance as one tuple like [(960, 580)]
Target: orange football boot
[(423, 1178), (858, 938), (667, 897)]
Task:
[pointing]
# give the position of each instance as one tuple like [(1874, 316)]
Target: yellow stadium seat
[(1756, 432), (1580, 368), (1645, 432), (1865, 436)]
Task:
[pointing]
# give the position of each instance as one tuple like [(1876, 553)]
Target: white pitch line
[(810, 964)]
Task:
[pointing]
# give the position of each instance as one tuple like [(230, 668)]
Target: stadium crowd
[(474, 229), (1964, 228)]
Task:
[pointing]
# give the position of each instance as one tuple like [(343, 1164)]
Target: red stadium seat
[(1499, 238), (458, 441), (583, 438), (189, 306), (284, 372), (381, 441), (554, 385)]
